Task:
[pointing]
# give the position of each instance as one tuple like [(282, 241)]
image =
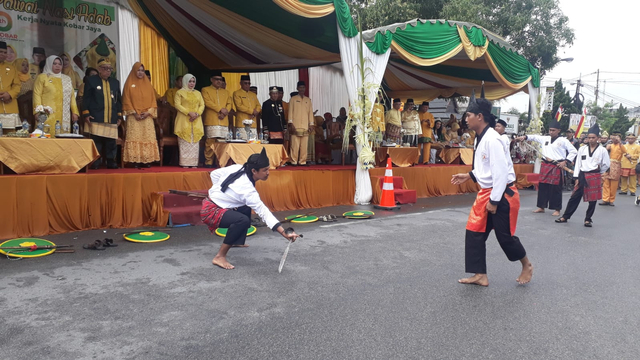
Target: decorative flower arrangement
[(43, 110)]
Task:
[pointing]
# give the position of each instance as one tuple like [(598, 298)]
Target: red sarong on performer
[(550, 174), (592, 187), (628, 172), (211, 214), (478, 216)]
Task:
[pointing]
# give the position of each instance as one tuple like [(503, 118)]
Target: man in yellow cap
[(102, 104), (247, 106), (301, 123)]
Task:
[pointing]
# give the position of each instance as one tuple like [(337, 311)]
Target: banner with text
[(80, 32)]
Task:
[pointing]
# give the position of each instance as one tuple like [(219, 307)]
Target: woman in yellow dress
[(67, 69), (139, 106), (22, 65), (53, 88), (189, 128)]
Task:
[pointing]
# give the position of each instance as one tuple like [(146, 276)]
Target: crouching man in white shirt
[(497, 204), (231, 199)]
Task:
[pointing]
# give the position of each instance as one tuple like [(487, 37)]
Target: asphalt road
[(383, 288)]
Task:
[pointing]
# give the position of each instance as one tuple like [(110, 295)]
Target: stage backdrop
[(86, 31)]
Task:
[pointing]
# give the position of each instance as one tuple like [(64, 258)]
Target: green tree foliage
[(609, 119), (561, 97), (621, 122), (536, 28)]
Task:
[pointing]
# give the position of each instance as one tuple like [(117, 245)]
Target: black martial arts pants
[(237, 222), (475, 242), (550, 195), (106, 147), (575, 200)]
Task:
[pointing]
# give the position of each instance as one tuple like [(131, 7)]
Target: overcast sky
[(606, 39)]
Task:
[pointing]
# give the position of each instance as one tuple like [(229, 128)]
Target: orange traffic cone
[(388, 199)]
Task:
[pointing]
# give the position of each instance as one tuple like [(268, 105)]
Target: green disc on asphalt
[(147, 237), (358, 214), (223, 231), (302, 219), (26, 253)]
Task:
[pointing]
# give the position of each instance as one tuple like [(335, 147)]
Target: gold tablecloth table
[(449, 155), (239, 153), (48, 156), (401, 156)]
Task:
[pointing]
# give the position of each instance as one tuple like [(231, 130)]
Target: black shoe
[(561, 220), (603, 203), (612, 204), (637, 201), (588, 224), (622, 193), (633, 194), (112, 165)]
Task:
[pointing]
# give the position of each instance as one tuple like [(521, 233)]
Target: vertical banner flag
[(80, 32), (549, 95), (583, 119)]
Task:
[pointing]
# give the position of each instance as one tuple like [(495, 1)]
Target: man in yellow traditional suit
[(611, 178), (301, 123), (629, 178), (377, 122), (427, 122), (247, 106), (9, 89), (393, 123), (38, 56), (217, 102), (170, 94)]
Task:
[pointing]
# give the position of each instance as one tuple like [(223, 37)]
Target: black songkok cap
[(397, 100), (425, 103), (595, 129), (301, 83), (216, 73), (554, 124), (38, 50), (258, 161), (245, 78), (409, 100), (502, 122), (3, 45), (273, 89), (482, 106), (280, 89), (293, 94), (253, 88), (223, 79)]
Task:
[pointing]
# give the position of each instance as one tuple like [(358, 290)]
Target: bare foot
[(526, 274), (477, 279), (241, 246), (222, 262), (539, 210), (556, 213)]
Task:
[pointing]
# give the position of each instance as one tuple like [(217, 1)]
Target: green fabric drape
[(514, 67), (343, 13), (476, 36), (381, 43), (428, 41)]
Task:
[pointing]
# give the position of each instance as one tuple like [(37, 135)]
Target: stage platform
[(37, 205)]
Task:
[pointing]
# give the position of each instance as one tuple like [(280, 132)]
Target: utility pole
[(604, 93), (597, 84)]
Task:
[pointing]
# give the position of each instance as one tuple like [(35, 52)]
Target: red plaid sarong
[(550, 174), (211, 214), (592, 187), (628, 172)]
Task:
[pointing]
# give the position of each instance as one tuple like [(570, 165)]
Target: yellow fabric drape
[(423, 62), (54, 156), (402, 157), (472, 51), (239, 153), (306, 10), (154, 54), (491, 93)]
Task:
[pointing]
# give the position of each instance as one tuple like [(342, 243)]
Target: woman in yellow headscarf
[(12, 54), (189, 128), (67, 69), (54, 89), (139, 106), (22, 65)]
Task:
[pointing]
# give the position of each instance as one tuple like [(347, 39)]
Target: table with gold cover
[(239, 153), (48, 156), (449, 155), (400, 156)]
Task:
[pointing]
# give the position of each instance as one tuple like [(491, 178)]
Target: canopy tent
[(423, 59)]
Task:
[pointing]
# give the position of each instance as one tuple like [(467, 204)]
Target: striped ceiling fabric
[(433, 56)]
